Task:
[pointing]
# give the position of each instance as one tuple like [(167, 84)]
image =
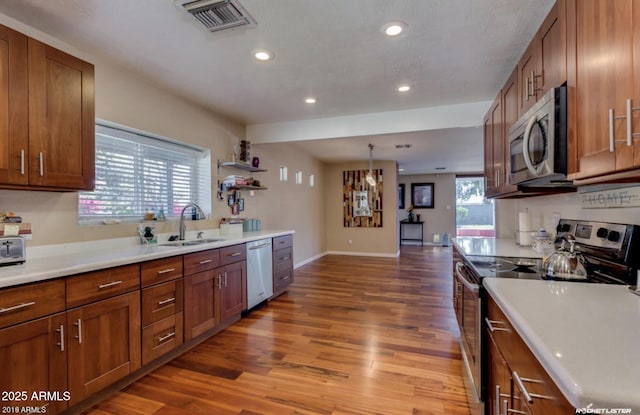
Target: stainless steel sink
[(191, 242)]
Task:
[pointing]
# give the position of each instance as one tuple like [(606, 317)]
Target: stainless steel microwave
[(538, 143)]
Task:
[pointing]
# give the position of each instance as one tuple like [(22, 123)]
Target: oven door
[(470, 333), (531, 150)]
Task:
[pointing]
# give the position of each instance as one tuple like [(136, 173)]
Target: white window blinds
[(137, 172)]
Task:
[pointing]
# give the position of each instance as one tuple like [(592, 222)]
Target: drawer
[(160, 270), (231, 254), (282, 259), (500, 329), (282, 279), (201, 261), (162, 301), (31, 301), (98, 285), (280, 242), (161, 337)]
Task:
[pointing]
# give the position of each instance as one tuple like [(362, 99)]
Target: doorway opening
[(475, 214)]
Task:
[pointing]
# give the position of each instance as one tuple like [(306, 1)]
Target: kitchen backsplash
[(541, 209)]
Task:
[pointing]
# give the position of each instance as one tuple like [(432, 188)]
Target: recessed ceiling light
[(404, 88), (310, 100), (263, 54), (393, 29)]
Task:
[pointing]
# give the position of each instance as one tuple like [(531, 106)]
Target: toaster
[(12, 250)]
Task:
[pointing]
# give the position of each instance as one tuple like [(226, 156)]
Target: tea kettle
[(566, 265)]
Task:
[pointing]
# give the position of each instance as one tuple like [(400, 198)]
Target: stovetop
[(506, 267)]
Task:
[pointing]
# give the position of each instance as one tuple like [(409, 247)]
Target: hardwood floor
[(353, 336)]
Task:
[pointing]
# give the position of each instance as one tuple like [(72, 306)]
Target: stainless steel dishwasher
[(259, 272)]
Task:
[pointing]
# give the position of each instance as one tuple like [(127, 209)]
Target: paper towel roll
[(524, 222)]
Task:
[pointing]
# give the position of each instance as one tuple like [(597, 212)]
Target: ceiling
[(454, 52)]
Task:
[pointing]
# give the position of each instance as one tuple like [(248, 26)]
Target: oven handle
[(525, 147), (470, 286)]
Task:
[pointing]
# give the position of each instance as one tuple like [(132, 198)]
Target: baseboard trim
[(372, 254), (308, 260)]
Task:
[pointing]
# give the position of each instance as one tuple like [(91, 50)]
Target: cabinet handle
[(41, 163), (219, 281), (61, 331), (17, 307), (525, 393), (225, 279), (490, 324), (166, 337), (206, 261), (166, 271), (167, 301), (286, 277), (235, 254), (284, 258), (611, 138), (110, 284), (629, 126), (532, 83), (22, 162), (526, 89), (259, 246), (78, 323)]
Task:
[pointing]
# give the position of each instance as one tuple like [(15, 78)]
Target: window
[(475, 215), (298, 177), (283, 174), (137, 172)]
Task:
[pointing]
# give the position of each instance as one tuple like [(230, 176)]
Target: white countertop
[(54, 261), (494, 247), (586, 336)]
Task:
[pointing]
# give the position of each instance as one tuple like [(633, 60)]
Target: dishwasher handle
[(264, 245)]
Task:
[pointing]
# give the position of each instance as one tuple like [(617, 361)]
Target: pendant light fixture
[(369, 177)]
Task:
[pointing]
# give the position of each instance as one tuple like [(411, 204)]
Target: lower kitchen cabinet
[(33, 358), (231, 294), (104, 343), (200, 306), (282, 264), (162, 337), (517, 382)]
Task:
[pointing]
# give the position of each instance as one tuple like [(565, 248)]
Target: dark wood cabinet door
[(232, 290), (200, 314), (552, 41), (61, 119), (489, 174), (529, 74), (33, 358), (603, 81), (510, 116), (104, 344), (498, 380), (14, 107)]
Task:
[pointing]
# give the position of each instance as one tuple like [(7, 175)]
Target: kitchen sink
[(191, 242)]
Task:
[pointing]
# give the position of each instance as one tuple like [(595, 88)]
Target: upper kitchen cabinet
[(502, 114), (61, 119), (607, 55), (47, 139), (544, 64), (14, 107)]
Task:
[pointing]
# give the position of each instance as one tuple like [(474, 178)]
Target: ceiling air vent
[(218, 15)]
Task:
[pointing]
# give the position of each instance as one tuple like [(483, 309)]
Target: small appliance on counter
[(12, 250)]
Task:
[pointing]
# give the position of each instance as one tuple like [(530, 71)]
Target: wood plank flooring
[(353, 336)]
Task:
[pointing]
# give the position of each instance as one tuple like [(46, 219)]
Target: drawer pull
[(167, 301), (235, 254), (286, 277), (166, 337), (490, 324), (525, 393), (219, 281), (166, 271), (206, 261), (284, 258), (78, 323), (282, 242), (17, 307), (110, 284), (61, 331)]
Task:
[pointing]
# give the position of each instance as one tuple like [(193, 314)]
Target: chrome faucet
[(183, 227)]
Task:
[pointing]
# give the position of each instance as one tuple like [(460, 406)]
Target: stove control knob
[(602, 233), (614, 236)]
